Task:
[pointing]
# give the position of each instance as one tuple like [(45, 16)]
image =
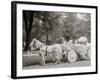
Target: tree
[(28, 19), (49, 27)]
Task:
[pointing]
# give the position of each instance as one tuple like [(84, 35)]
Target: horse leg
[(55, 58), (59, 59), (56, 61), (43, 58)]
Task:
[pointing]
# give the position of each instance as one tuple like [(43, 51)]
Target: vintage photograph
[(55, 39)]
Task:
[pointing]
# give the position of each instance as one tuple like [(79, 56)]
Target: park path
[(81, 63)]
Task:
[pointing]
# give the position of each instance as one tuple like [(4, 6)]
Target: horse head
[(36, 44)]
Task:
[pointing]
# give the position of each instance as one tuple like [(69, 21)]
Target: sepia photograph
[(56, 39), (53, 39)]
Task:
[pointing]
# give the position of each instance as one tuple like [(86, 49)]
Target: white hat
[(82, 39)]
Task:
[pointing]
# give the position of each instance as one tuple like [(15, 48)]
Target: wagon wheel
[(72, 56)]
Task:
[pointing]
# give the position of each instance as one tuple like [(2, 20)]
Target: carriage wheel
[(72, 56)]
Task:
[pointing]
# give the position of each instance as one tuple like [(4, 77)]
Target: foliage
[(49, 27)]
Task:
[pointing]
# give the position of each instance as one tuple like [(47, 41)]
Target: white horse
[(55, 50), (36, 44)]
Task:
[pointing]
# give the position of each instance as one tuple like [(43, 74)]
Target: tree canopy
[(49, 27)]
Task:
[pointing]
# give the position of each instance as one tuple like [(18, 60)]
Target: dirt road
[(81, 63)]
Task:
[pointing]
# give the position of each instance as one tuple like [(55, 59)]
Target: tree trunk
[(28, 32)]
